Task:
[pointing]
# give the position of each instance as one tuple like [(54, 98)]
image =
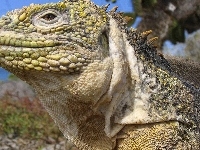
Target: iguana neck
[(148, 91), (64, 107)]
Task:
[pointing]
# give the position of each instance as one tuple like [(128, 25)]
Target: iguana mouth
[(9, 38), (47, 56), (12, 39), (42, 52), (43, 59)]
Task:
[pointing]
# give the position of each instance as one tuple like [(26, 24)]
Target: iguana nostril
[(5, 20)]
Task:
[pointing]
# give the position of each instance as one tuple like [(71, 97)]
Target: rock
[(17, 143), (16, 90), (192, 49)]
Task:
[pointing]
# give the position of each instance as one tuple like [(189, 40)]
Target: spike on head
[(128, 19), (161, 55), (121, 13), (146, 33), (152, 40), (105, 7), (114, 9), (133, 29)]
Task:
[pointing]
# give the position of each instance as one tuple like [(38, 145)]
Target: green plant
[(26, 119)]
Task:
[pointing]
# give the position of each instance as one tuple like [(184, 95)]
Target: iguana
[(104, 85)]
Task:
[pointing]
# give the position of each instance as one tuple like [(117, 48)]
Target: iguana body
[(105, 86)]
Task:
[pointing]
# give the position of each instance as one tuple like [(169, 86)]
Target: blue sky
[(8, 5)]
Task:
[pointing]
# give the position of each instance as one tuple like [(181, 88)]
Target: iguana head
[(58, 37)]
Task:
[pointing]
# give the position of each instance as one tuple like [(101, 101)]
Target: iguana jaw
[(57, 59), (31, 40)]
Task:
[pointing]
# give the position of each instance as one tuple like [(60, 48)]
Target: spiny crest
[(105, 7), (144, 48), (146, 33), (114, 9), (142, 38), (118, 16), (152, 40), (132, 35), (142, 45)]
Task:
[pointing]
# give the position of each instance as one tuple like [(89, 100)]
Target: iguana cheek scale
[(105, 86)]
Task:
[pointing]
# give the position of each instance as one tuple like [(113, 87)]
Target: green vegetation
[(12, 77), (26, 119)]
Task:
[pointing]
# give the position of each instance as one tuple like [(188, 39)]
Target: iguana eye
[(49, 17)]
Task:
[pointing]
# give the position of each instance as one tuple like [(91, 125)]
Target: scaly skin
[(105, 86)]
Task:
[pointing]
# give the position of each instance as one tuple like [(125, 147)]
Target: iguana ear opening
[(104, 43)]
